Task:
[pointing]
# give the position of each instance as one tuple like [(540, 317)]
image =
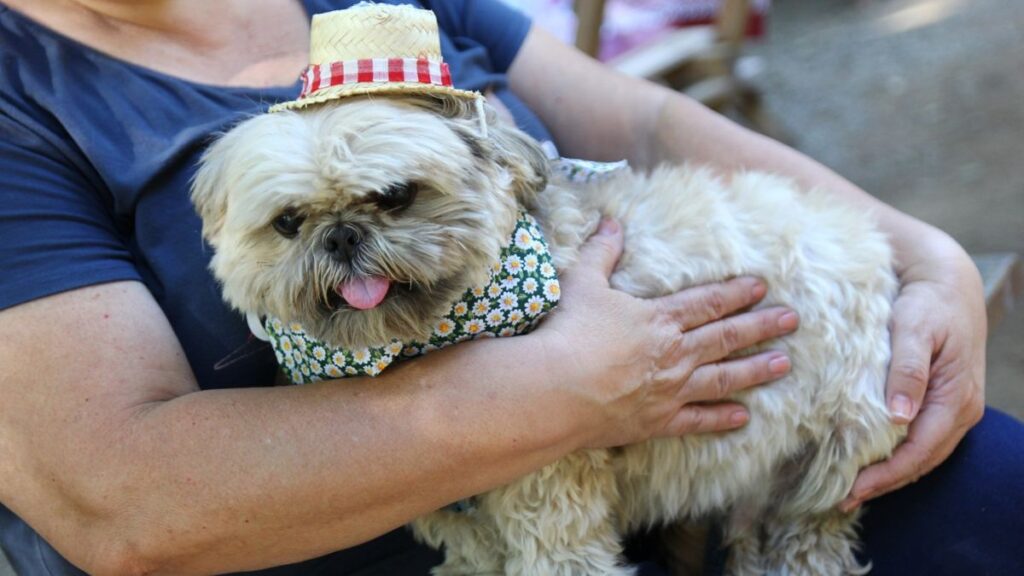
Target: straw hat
[(374, 49)]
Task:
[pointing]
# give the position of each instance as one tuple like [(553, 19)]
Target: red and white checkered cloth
[(375, 71)]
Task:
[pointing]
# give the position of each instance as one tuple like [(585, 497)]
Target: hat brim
[(391, 88)]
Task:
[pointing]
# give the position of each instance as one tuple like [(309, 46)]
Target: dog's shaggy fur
[(775, 483)]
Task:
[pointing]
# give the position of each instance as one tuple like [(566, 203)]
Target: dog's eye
[(397, 197), (287, 224)]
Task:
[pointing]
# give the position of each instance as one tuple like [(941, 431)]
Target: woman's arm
[(109, 449), (939, 323)]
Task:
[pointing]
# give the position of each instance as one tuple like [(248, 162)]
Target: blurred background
[(920, 102)]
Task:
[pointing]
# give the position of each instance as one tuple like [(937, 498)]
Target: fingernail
[(738, 418), (759, 290), (789, 321), (900, 407), (608, 227), (779, 365)]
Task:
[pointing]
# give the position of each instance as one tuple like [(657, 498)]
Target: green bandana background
[(522, 288)]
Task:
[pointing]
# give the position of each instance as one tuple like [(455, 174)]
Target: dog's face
[(362, 221)]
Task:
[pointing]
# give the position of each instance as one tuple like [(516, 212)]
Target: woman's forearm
[(249, 478), (684, 130), (125, 467), (595, 112)]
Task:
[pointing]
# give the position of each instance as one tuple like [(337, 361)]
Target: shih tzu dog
[(363, 231)]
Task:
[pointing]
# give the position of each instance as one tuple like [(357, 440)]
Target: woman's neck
[(188, 20), (225, 42)]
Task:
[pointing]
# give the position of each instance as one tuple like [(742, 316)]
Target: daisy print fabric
[(522, 288)]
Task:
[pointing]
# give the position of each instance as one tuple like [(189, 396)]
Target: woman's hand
[(937, 375), (638, 369)]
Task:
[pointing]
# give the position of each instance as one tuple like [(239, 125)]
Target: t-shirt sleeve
[(56, 232), (497, 26)]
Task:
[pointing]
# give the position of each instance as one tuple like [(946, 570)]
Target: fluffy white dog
[(364, 222)]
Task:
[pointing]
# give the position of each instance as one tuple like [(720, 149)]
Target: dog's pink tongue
[(365, 292)]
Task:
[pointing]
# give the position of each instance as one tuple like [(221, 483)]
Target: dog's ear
[(209, 192), (505, 145), (522, 156)]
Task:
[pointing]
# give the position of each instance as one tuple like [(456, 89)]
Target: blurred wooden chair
[(699, 61)]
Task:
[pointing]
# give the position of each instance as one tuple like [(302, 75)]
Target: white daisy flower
[(473, 327), (427, 349), (534, 306), (515, 317), (304, 369), (495, 318), (482, 307), (493, 290), (288, 362), (299, 341), (276, 324), (460, 309), (373, 370), (395, 348), (339, 358), (351, 371), (381, 365), (316, 366), (547, 270), (538, 247), (319, 353), (506, 332), (295, 327), (523, 239), (411, 351), (509, 282), (298, 379), (513, 264), (444, 327), (285, 344), (361, 356), (530, 262), (280, 357), (552, 290), (507, 301), (496, 266), (530, 285)]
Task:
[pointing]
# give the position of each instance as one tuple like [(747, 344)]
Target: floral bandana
[(522, 288)]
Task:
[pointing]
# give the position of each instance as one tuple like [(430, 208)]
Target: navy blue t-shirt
[(96, 156)]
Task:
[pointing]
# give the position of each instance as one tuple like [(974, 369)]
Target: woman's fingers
[(700, 305), (717, 340), (721, 380), (699, 418)]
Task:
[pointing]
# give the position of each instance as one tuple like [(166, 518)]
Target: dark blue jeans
[(965, 518)]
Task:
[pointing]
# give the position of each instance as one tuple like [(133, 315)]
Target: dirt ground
[(920, 102)]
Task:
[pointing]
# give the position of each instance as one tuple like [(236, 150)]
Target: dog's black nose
[(342, 241)]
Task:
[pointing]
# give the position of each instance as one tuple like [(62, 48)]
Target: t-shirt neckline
[(307, 6)]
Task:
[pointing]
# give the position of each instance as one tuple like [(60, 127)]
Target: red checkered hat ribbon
[(374, 71)]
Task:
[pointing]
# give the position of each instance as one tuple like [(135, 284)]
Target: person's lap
[(966, 517)]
